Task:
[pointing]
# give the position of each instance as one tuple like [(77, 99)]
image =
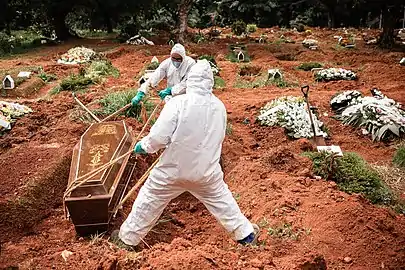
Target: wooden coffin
[(91, 205)]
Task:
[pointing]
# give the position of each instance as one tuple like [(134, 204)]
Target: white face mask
[(176, 64)]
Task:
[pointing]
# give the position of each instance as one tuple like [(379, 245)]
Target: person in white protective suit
[(191, 128), (175, 69)]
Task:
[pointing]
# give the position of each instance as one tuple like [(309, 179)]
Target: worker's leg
[(218, 199), (148, 206)]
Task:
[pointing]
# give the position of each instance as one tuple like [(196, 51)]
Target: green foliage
[(309, 66), (47, 77), (353, 175), (236, 196), (251, 28), (258, 81), (229, 129), (18, 42), (152, 66), (219, 83), (233, 57), (92, 74), (115, 101), (199, 38), (238, 27), (74, 83), (98, 69), (281, 83), (287, 231), (54, 91), (399, 157)]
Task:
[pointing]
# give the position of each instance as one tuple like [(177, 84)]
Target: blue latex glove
[(164, 93), (139, 96), (138, 149)]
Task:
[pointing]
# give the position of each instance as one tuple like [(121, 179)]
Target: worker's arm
[(180, 88), (161, 132), (157, 76)]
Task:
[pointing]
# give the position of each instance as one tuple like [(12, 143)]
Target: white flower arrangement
[(77, 55), (290, 113), (342, 100), (379, 116), (214, 68), (334, 74), (309, 42), (9, 111)]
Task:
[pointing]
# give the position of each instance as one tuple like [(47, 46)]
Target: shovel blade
[(318, 141)]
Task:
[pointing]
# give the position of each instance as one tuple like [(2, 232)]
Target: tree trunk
[(331, 18), (184, 8), (390, 16), (106, 16), (58, 14), (61, 30)]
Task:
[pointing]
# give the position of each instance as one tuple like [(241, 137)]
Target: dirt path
[(274, 186)]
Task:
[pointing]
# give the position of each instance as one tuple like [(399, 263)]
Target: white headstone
[(241, 56), (171, 43), (275, 74), (402, 62), (8, 83), (24, 74)]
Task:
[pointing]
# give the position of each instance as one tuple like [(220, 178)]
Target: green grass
[(278, 41), (286, 231), (115, 101), (309, 66), (281, 83), (259, 81), (152, 66), (352, 175), (74, 83), (236, 196), (251, 28), (14, 72), (54, 91), (219, 83), (399, 157), (20, 41), (92, 74), (98, 69), (90, 33), (229, 129), (47, 77), (232, 57)]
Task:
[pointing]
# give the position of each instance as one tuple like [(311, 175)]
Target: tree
[(391, 13), (184, 8)]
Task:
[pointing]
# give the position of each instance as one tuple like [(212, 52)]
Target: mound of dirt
[(250, 71), (37, 201), (283, 159)]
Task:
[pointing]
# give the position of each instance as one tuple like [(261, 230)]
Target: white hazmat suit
[(192, 128), (176, 77)]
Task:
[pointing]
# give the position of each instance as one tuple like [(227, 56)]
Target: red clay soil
[(324, 228)]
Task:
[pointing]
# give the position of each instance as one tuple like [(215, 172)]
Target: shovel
[(108, 118), (318, 140)]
